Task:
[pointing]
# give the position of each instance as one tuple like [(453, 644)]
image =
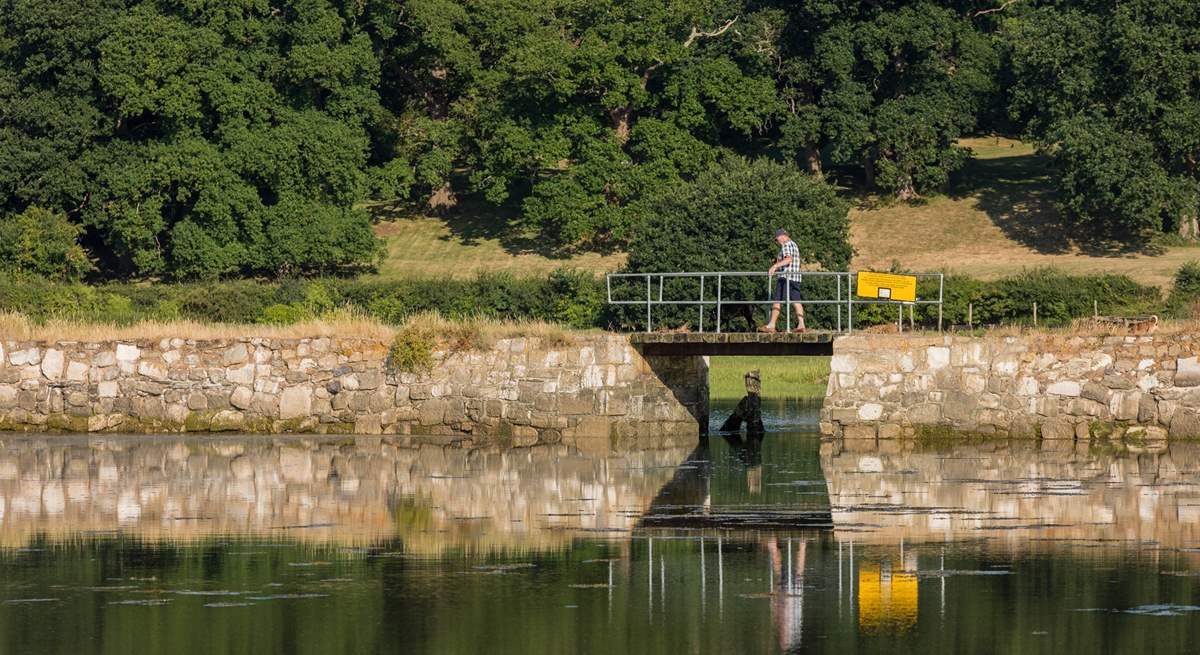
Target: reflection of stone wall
[(1055, 386), (321, 489), (1013, 492), (521, 392)]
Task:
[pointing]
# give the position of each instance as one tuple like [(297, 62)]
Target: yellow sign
[(887, 286)]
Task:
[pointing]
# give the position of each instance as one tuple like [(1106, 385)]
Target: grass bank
[(459, 334), (782, 377)]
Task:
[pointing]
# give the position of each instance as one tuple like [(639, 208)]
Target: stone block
[(128, 353), (432, 412), (295, 402), (235, 354), (842, 363), (858, 434), (1068, 388), (241, 374), (1058, 429), (153, 370), (937, 357), (241, 397), (53, 363), (870, 412), (1124, 405), (1187, 372), (25, 357), (1184, 424)]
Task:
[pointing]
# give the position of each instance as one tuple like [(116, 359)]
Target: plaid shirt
[(790, 271)]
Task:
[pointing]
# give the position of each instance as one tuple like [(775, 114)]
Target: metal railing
[(845, 298)]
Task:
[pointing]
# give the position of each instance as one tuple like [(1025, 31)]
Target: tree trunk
[(905, 190), (1189, 227), (869, 170), (621, 117), (812, 159)]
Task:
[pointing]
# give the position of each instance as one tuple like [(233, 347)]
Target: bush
[(1186, 292), (42, 243), (726, 219)]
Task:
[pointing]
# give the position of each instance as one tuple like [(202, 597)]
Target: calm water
[(335, 545)]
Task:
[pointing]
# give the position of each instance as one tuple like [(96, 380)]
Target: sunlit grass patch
[(782, 377)]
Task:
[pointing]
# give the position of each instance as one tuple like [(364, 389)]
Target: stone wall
[(1141, 388), (520, 392)]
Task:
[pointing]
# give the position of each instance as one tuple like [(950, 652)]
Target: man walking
[(787, 287)]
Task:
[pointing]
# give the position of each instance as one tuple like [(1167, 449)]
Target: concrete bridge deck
[(816, 343)]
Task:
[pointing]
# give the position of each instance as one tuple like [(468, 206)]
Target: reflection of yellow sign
[(887, 601), (887, 286)]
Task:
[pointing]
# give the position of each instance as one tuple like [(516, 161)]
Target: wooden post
[(1095, 311), (970, 319), (749, 408), (1034, 314)]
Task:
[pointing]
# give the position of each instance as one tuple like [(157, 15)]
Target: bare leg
[(799, 315), (774, 315)]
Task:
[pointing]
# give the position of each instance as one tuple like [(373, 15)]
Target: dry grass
[(431, 247), (999, 220), (472, 333), (482, 333), (18, 327)]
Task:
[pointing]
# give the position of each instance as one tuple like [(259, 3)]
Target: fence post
[(839, 302), (648, 304), (718, 303), (702, 302), (900, 318), (941, 298), (1034, 314), (970, 316), (849, 305), (1095, 310)]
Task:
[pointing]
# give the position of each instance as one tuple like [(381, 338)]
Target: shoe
[(798, 330), (766, 329)]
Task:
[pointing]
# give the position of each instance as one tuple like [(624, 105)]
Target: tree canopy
[(222, 138)]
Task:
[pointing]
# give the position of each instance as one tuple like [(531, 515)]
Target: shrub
[(412, 350), (42, 243), (726, 219), (1186, 292)]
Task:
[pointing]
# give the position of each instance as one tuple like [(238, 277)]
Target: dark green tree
[(1110, 90), (192, 139)]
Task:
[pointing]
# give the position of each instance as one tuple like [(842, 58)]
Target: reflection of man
[(787, 287), (787, 602)]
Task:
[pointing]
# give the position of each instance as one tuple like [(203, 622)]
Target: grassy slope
[(469, 241), (998, 219)]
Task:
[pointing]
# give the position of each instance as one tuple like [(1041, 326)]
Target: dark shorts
[(783, 287)]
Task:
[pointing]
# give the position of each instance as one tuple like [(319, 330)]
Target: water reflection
[(762, 545), (1014, 493), (340, 490)]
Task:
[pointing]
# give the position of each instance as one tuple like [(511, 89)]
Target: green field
[(782, 377)]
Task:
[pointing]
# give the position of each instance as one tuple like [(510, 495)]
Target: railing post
[(648, 303), (838, 303), (849, 304), (702, 302), (718, 303), (941, 298)]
